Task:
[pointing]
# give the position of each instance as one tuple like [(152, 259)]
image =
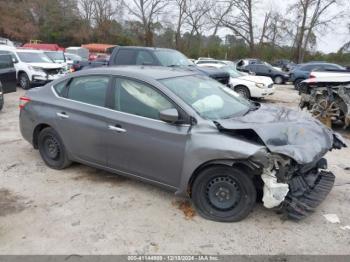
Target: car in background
[(8, 80), (264, 69), (302, 71), (284, 65), (34, 67), (80, 51), (181, 130), (5, 41), (58, 57), (248, 86)]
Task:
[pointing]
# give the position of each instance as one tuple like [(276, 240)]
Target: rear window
[(125, 57), (59, 88), (5, 61), (89, 89)]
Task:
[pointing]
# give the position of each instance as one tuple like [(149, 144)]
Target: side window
[(89, 89), (59, 88), (5, 61), (144, 58), (140, 99), (125, 57)]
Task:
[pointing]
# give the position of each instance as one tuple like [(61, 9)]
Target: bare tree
[(181, 6), (238, 17), (87, 9), (197, 15), (311, 15), (147, 12)]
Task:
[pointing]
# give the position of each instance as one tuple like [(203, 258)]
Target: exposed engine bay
[(292, 168), (328, 102)]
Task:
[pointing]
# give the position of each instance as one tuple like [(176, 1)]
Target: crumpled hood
[(288, 132), (257, 79), (46, 65)]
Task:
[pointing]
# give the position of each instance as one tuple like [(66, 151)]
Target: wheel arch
[(244, 86), (38, 128)]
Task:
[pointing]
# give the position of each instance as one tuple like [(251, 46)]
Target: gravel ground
[(82, 210)]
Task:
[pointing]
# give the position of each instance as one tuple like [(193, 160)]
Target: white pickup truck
[(33, 67)]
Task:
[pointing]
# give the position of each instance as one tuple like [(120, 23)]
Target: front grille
[(52, 71)]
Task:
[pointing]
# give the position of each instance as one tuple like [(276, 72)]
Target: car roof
[(153, 72), (29, 51), (146, 48)]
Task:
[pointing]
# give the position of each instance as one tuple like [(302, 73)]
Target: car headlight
[(37, 69), (260, 85)]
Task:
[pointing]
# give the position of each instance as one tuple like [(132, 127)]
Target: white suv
[(33, 67)]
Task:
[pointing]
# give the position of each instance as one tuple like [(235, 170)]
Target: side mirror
[(14, 60), (169, 115)]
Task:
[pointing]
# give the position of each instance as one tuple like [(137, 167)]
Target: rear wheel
[(52, 150), (278, 80), (243, 91), (24, 81), (224, 194)]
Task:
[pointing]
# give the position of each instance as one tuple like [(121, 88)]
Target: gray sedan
[(185, 132)]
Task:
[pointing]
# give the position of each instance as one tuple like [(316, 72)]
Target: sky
[(327, 41)]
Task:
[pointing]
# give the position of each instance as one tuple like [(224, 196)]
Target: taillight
[(23, 101)]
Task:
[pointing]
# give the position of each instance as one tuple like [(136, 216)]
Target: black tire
[(243, 91), (223, 194), (297, 83), (24, 81), (1, 97), (52, 149), (278, 80)]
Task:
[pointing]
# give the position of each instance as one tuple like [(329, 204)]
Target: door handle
[(62, 115), (117, 129)]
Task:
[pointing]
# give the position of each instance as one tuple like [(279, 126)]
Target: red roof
[(98, 48), (46, 47)]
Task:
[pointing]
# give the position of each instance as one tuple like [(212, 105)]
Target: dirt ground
[(82, 210)]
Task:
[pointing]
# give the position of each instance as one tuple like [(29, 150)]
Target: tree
[(311, 15), (181, 6), (147, 12)]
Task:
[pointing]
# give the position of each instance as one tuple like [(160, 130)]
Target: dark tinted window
[(5, 61), (311, 67), (125, 57), (140, 99), (59, 88), (89, 89), (144, 58)]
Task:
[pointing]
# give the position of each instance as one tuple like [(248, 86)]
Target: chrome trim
[(115, 111), (118, 129)]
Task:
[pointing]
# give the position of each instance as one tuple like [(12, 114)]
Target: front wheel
[(297, 84), (242, 91), (278, 80), (52, 150), (24, 81), (223, 194)]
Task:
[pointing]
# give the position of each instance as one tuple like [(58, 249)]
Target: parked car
[(7, 76), (5, 41), (277, 76), (186, 132), (58, 57), (284, 65), (80, 51), (248, 86), (33, 67), (131, 55), (302, 71), (211, 61)]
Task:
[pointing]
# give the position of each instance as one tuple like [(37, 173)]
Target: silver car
[(185, 132)]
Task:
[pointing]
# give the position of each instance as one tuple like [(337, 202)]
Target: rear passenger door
[(7, 73), (81, 117)]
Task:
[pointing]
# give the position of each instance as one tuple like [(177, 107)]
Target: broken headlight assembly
[(293, 189)]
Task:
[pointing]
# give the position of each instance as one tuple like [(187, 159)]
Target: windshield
[(73, 57), (172, 58), (232, 71), (56, 56), (28, 57), (209, 98)]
